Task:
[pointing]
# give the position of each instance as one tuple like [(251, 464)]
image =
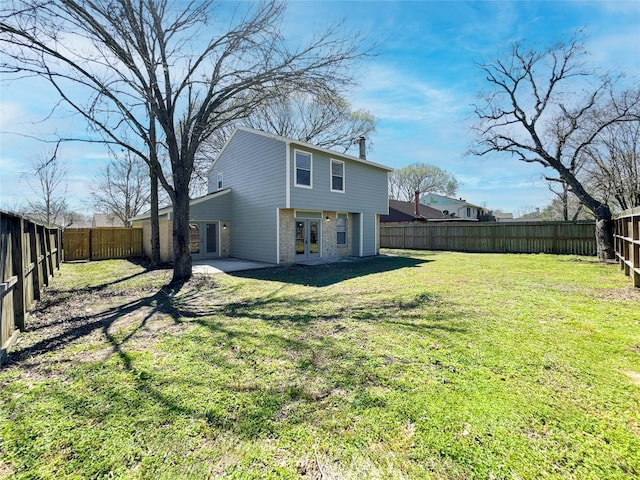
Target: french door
[(203, 240), (307, 238)]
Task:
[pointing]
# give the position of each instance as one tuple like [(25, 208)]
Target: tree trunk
[(604, 220), (155, 221), (604, 233), (181, 252)]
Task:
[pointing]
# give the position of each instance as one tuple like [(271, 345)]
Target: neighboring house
[(503, 217), (279, 200), (106, 220), (409, 212), (455, 208)]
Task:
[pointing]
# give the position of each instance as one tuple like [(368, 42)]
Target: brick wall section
[(329, 236), (328, 239), (225, 238), (287, 236)]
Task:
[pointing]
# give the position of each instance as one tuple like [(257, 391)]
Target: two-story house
[(453, 207), (278, 200)]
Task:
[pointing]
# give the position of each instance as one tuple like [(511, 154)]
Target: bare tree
[(548, 107), (421, 178), (565, 207), (48, 182), (122, 189), (327, 121), (613, 165), (120, 63)]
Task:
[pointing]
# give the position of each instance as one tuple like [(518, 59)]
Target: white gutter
[(287, 157)]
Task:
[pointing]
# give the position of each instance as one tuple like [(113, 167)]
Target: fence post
[(17, 254), (35, 273), (634, 248)]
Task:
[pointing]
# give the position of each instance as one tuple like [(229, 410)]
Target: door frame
[(202, 253), (306, 223)]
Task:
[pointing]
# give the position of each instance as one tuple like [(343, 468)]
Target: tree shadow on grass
[(64, 331), (327, 274), (324, 359), (58, 297)]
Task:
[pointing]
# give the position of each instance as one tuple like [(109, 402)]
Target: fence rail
[(102, 243), (30, 253), (512, 237), (627, 243)]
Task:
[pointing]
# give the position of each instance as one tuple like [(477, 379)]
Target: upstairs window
[(219, 181), (303, 169), (337, 176)]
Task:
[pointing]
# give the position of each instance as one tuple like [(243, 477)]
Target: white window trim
[(295, 169), (220, 181), (344, 183)]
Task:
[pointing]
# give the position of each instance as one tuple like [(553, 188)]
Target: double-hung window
[(341, 230), (219, 181), (337, 176), (303, 169)]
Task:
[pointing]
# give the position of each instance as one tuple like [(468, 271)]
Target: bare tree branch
[(126, 64), (550, 108)]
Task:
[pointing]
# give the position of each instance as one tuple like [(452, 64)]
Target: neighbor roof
[(400, 211)]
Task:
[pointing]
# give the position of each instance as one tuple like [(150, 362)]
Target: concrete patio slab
[(226, 265)]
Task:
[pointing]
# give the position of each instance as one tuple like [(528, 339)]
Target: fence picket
[(102, 243), (529, 237), (29, 254), (627, 243)]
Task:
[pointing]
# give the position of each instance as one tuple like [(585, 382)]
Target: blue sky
[(420, 86)]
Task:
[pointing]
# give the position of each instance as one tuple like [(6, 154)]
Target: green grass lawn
[(431, 365)]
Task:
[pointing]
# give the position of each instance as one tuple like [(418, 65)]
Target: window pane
[(194, 238), (303, 177), (341, 230), (337, 176), (212, 238), (303, 169), (303, 161), (313, 237), (299, 238)]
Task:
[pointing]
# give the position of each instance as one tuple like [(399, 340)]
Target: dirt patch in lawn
[(91, 324)]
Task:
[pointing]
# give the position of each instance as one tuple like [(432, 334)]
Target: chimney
[(416, 203), (363, 151)]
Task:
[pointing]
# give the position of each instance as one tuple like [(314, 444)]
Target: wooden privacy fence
[(101, 243), (29, 254), (511, 237), (627, 243)]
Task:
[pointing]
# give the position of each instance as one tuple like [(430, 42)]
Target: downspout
[(287, 188), (277, 236)]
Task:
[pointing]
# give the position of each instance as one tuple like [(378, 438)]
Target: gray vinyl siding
[(365, 195), (218, 208), (355, 232), (365, 185), (253, 167), (369, 235)]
